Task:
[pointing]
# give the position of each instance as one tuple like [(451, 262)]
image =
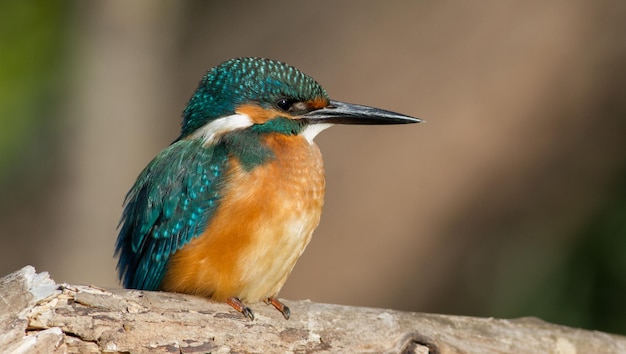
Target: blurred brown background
[(510, 201)]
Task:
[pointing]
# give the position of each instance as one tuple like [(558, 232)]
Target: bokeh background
[(509, 201)]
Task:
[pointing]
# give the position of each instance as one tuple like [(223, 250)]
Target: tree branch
[(37, 315)]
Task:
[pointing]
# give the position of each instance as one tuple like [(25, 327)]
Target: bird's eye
[(285, 104)]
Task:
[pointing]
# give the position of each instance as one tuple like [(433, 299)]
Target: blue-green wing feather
[(171, 202)]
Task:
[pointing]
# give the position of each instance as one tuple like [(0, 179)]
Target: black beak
[(347, 113)]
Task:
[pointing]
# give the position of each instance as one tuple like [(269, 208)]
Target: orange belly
[(264, 222)]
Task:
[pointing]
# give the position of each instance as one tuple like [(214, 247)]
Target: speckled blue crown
[(245, 80)]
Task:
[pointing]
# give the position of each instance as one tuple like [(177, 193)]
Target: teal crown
[(246, 80)]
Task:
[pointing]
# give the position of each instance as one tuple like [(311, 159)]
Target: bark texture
[(38, 315)]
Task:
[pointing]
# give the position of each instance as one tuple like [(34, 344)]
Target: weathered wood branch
[(37, 315)]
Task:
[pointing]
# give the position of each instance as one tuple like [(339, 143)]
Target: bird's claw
[(279, 306), (236, 303)]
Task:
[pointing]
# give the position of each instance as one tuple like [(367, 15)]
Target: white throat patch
[(311, 131)]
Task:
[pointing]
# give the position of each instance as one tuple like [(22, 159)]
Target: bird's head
[(270, 96)]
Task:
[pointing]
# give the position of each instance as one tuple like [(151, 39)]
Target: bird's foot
[(241, 307), (279, 306)]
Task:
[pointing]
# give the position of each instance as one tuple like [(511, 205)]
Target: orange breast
[(264, 222)]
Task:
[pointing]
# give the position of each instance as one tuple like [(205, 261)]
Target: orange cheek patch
[(317, 103), (258, 114)]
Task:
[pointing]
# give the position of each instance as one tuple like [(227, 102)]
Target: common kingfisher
[(226, 210)]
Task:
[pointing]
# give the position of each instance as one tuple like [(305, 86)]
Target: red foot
[(279, 306), (239, 306)]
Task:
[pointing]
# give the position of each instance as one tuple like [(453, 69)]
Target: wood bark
[(38, 315)]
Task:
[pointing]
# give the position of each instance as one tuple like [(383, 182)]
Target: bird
[(226, 210)]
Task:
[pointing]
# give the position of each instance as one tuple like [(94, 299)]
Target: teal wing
[(171, 202)]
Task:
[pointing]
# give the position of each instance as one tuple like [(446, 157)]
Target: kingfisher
[(227, 209)]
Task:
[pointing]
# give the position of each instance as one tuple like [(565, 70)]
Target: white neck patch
[(311, 131), (213, 130)]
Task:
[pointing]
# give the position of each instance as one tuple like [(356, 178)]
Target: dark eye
[(285, 104)]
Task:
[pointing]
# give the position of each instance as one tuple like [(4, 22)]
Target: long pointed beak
[(347, 113)]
